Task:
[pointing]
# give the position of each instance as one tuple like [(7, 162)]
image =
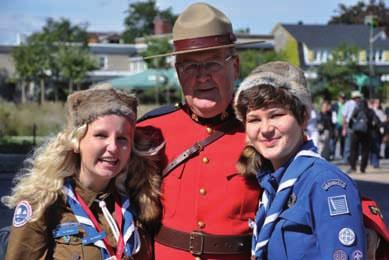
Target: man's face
[(207, 80)]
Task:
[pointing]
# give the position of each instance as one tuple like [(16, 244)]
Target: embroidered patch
[(376, 211), (346, 236), (333, 182), (23, 213), (338, 205), (357, 255), (339, 255), (292, 200)]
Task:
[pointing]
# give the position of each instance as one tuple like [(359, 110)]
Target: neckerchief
[(277, 187), (129, 241)]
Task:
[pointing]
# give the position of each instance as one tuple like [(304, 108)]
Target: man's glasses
[(211, 66)]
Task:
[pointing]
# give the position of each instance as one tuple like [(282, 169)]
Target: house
[(311, 45)]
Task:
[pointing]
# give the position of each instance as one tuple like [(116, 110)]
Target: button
[(200, 224), (203, 191), (177, 105), (197, 258), (205, 160), (209, 130)]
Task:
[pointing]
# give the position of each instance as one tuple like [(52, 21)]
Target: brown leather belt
[(199, 243)]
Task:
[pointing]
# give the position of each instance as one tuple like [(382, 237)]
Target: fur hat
[(202, 27), (278, 74), (86, 106)]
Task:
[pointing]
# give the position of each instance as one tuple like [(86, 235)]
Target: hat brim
[(203, 49)]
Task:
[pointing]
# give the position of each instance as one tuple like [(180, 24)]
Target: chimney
[(161, 26)]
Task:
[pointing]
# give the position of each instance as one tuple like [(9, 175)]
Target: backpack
[(360, 121)]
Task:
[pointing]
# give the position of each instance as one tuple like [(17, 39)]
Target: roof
[(332, 35)]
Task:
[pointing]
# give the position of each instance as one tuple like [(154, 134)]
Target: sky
[(260, 16)]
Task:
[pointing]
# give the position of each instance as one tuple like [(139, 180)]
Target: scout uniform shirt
[(35, 240)]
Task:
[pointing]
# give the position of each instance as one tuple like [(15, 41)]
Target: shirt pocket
[(297, 232), (242, 197), (68, 247)]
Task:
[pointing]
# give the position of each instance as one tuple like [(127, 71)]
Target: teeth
[(108, 160)]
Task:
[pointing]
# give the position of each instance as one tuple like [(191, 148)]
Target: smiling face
[(275, 133), (208, 93), (105, 150)]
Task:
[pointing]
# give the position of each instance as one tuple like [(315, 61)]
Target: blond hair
[(41, 181)]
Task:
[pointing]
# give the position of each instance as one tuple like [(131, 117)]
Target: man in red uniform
[(206, 202)]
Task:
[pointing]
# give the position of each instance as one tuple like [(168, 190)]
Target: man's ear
[(236, 64)]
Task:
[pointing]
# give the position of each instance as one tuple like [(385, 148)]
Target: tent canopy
[(149, 78)]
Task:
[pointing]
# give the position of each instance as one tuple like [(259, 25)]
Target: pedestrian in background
[(337, 115), (377, 132), (362, 124), (326, 130), (91, 192), (346, 130)]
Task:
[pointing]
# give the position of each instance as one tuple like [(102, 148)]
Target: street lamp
[(370, 20)]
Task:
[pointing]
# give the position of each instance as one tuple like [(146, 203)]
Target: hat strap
[(204, 42)]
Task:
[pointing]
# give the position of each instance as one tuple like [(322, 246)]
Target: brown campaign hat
[(202, 27)]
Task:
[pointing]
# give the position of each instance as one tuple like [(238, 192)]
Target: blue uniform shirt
[(322, 219)]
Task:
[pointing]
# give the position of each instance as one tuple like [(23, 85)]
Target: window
[(103, 62)]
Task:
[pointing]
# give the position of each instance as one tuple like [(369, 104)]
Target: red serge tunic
[(206, 192)]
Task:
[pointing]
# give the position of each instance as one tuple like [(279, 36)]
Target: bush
[(19, 119)]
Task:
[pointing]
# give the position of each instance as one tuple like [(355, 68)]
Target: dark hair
[(267, 96)]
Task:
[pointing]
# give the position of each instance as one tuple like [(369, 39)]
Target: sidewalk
[(380, 175)]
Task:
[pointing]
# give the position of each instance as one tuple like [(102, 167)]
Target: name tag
[(66, 229)]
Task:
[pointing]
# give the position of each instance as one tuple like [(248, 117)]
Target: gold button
[(209, 130), (205, 160), (177, 105), (197, 258), (203, 191), (200, 224)]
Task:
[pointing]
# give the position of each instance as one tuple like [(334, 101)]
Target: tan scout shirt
[(34, 240)]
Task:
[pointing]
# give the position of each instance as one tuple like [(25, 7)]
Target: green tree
[(74, 62), (355, 14), (31, 65), (140, 19), (155, 47), (252, 58), (48, 54), (337, 73)]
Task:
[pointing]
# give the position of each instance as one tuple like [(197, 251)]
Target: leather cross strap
[(199, 243), (198, 146)]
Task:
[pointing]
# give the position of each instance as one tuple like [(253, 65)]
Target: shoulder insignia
[(160, 111), (376, 211), (338, 205), (333, 182), (23, 213)]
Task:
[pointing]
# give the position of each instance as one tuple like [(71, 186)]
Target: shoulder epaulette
[(160, 111)]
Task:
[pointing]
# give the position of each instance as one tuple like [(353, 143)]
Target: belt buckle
[(196, 243)]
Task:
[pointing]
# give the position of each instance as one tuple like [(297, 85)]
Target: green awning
[(149, 78)]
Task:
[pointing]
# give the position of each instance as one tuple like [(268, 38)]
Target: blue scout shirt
[(322, 218)]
